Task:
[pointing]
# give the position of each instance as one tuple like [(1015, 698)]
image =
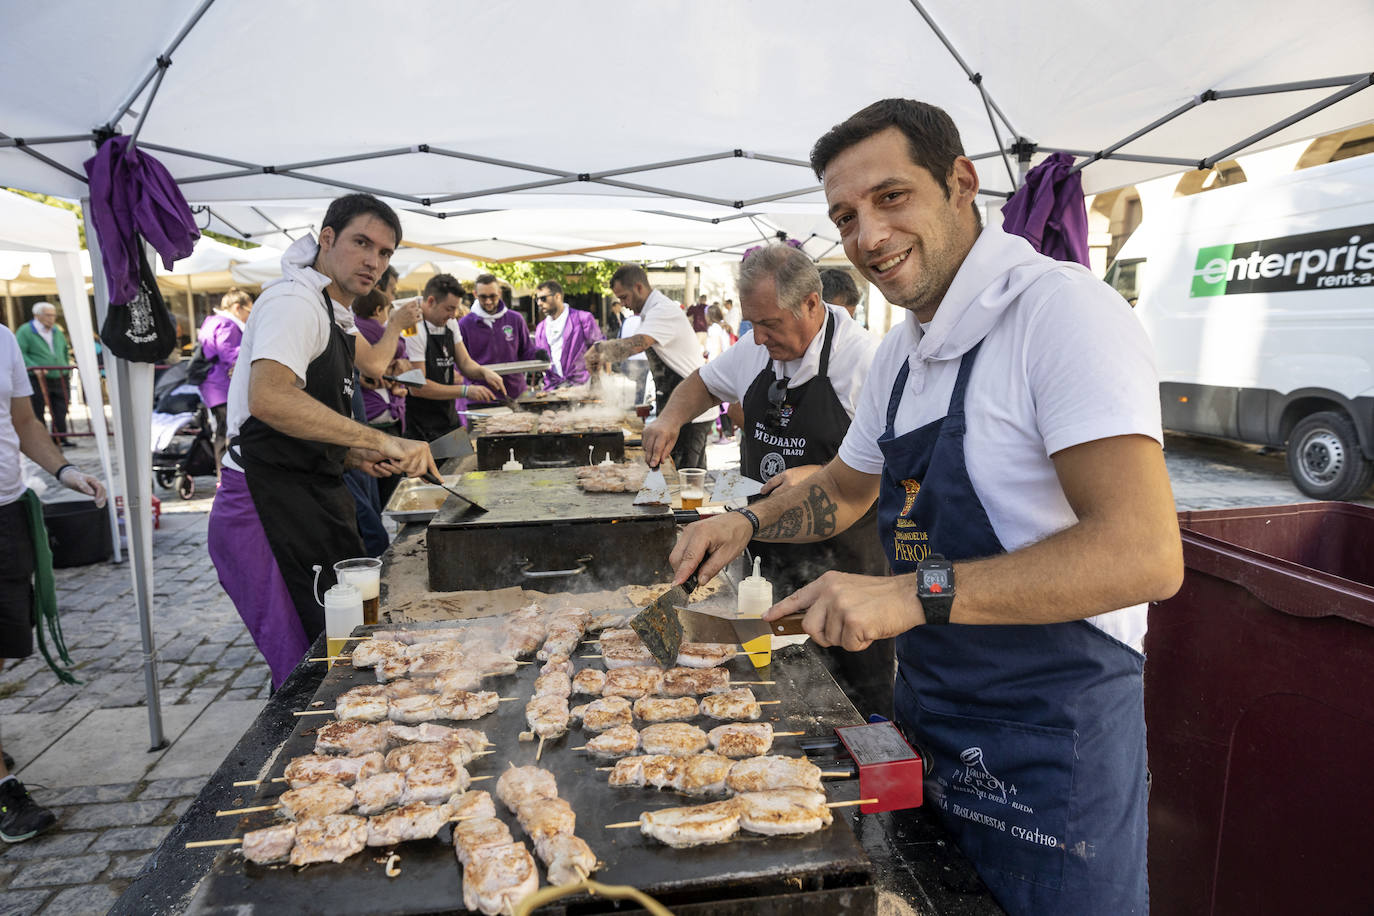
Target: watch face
[(935, 580)]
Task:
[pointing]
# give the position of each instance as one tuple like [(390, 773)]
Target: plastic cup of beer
[(692, 487), (343, 610), (364, 574)]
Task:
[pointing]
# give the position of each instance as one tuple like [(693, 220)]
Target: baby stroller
[(183, 442)]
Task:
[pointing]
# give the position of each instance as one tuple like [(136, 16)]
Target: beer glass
[(364, 574), (692, 487), (343, 610)]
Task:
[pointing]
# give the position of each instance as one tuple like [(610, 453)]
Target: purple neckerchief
[(134, 195), (1048, 210)]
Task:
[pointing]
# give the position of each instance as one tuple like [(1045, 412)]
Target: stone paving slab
[(110, 742), (201, 748)]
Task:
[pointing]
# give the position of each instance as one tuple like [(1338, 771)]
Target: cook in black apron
[(297, 485), (426, 418), (690, 449), (1035, 734), (806, 427)]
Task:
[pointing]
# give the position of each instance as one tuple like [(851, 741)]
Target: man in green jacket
[(43, 344)]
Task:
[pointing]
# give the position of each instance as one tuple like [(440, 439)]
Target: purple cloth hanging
[(1048, 211), (134, 195)]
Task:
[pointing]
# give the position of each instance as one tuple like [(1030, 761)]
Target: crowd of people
[(982, 442)]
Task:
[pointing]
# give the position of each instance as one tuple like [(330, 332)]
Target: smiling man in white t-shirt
[(1010, 431)]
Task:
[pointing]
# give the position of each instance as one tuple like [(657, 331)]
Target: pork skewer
[(770, 813)]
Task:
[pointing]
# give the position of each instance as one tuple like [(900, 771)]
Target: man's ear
[(327, 238), (963, 181)]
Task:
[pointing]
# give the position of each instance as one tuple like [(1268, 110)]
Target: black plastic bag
[(142, 330)]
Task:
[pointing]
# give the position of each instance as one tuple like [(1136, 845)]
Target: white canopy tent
[(683, 125)]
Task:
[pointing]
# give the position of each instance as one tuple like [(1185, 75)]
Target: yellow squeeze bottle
[(755, 597)]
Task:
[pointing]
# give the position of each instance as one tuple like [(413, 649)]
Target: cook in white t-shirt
[(664, 334)]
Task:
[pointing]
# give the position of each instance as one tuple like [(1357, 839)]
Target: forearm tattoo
[(813, 519), (613, 351)]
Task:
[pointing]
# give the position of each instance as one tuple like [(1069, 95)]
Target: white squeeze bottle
[(512, 465), (755, 597)]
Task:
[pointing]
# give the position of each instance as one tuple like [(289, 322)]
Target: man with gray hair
[(798, 373), (43, 344)]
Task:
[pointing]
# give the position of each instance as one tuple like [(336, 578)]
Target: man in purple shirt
[(565, 333), (493, 333), (220, 337)]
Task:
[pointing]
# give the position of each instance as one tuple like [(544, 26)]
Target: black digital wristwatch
[(935, 587)]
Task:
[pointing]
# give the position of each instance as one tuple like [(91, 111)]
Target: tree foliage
[(575, 276), (81, 225)]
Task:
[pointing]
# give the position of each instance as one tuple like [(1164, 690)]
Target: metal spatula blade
[(655, 490), (469, 507), (412, 377), (659, 626)]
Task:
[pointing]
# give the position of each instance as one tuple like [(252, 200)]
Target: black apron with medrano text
[(428, 419), (810, 427), (297, 485)]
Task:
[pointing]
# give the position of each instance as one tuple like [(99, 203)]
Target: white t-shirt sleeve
[(14, 358), (729, 375), (415, 348), (659, 324), (860, 449), (1090, 366), (289, 330)]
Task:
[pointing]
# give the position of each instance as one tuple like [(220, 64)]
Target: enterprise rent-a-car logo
[(1331, 259)]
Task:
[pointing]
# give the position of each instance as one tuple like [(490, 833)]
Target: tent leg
[(130, 385)]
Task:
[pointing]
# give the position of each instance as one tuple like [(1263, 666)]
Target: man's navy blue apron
[(808, 430), (1034, 735)]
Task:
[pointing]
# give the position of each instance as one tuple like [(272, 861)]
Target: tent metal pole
[(667, 164), (346, 185), (271, 222), (1110, 151), (162, 64), (1327, 83), (1124, 157), (968, 71), (1359, 85), (448, 215), (649, 189), (159, 66), (24, 148), (782, 160), (191, 310), (504, 163), (755, 201), (698, 219), (136, 514), (529, 185), (43, 141), (204, 157)]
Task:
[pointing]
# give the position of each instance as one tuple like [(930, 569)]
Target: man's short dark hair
[(370, 303), (838, 287), (931, 137), (627, 275), (485, 278), (441, 286), (552, 286), (343, 210)]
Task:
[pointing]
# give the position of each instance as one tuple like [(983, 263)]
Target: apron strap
[(956, 397), (894, 400)]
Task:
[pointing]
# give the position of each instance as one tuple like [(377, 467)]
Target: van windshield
[(1125, 277)]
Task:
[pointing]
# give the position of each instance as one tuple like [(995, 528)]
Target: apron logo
[(976, 779), (348, 388), (912, 487), (771, 466)]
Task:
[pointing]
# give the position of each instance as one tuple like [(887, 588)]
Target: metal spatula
[(655, 490), (659, 626)]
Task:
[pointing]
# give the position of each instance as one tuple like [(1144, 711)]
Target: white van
[(1260, 301)]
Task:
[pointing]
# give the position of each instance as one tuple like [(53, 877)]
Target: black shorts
[(16, 582)]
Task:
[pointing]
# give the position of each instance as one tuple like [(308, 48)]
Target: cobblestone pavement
[(84, 750)]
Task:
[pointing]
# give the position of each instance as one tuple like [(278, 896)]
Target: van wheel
[(1324, 457)]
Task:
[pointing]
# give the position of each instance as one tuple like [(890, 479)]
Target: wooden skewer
[(198, 844), (330, 712), (768, 702), (539, 753), (232, 811), (787, 734), (848, 804), (331, 658)]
